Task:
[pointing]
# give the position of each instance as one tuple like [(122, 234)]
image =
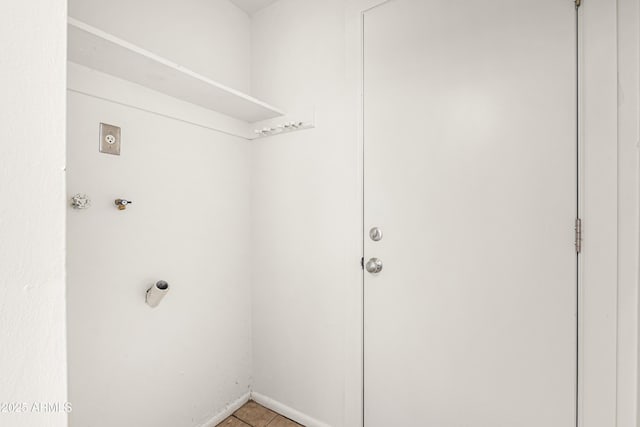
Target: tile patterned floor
[(254, 415)]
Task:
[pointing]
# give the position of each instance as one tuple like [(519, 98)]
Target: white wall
[(187, 360), (305, 190), (182, 362), (211, 37), (610, 88), (628, 210), (32, 305)]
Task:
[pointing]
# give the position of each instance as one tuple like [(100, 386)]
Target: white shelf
[(104, 52)]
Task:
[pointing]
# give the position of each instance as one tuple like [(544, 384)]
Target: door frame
[(598, 180)]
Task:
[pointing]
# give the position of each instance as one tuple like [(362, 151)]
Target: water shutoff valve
[(122, 204)]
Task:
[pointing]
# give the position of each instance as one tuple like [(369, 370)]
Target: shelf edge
[(179, 68)]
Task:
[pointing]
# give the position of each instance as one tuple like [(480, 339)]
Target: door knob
[(374, 265)]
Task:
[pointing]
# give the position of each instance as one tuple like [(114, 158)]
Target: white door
[(470, 174)]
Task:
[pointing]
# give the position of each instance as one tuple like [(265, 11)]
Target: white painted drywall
[(32, 304), (210, 37), (252, 6), (305, 191), (597, 351), (628, 210), (181, 363)]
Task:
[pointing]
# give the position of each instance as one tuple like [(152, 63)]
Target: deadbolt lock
[(375, 234)]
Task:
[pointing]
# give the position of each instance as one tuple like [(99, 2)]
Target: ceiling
[(252, 6)]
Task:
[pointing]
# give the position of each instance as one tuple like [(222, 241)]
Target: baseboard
[(230, 409), (288, 412)]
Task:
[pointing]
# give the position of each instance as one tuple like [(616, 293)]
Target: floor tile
[(232, 422), (255, 415), (281, 421)]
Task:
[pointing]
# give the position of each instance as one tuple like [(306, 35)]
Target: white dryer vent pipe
[(156, 293)]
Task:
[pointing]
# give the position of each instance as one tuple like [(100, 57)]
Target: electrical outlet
[(109, 139)]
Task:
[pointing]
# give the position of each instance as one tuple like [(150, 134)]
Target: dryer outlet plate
[(109, 139)]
